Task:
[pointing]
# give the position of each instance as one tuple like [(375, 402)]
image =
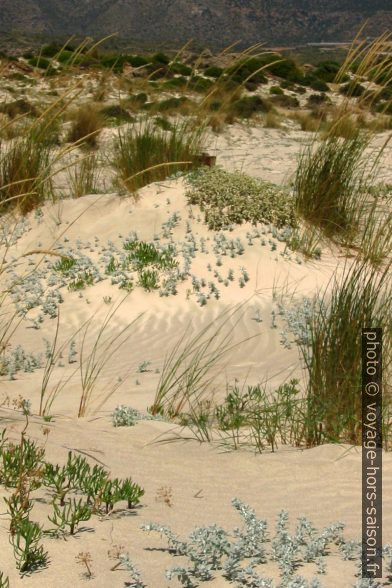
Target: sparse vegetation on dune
[(75, 120)]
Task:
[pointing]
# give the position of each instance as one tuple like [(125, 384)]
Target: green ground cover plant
[(233, 198), (77, 491)]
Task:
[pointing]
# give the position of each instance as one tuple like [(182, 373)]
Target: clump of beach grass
[(83, 177), (86, 124), (328, 180), (334, 177), (361, 297), (25, 174), (146, 153)]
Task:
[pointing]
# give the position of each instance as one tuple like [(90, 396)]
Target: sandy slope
[(322, 483)]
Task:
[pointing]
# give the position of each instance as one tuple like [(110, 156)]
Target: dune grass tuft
[(146, 153), (361, 297)]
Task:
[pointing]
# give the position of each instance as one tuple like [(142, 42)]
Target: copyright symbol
[(372, 388)]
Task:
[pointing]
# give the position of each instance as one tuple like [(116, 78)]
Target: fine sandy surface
[(322, 483)]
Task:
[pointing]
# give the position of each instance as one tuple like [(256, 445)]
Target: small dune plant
[(77, 491), (145, 153), (244, 556), (190, 367)]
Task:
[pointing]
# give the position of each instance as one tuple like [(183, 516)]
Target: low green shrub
[(353, 89), (117, 113), (160, 58), (285, 101), (40, 62), (18, 107), (170, 104), (181, 68), (276, 90), (228, 198), (199, 84), (137, 100), (247, 106), (248, 69), (51, 49), (327, 71), (213, 71), (319, 86), (178, 82), (136, 60)]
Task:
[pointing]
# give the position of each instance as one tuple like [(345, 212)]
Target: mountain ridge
[(219, 23)]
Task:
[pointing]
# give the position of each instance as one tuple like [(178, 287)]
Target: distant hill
[(211, 22)]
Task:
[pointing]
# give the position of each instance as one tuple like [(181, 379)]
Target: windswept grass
[(25, 180), (190, 367), (86, 124), (328, 180), (83, 177), (334, 177), (95, 356), (145, 153), (360, 298)]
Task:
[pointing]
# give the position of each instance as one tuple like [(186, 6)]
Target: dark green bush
[(18, 107), (163, 123), (285, 101), (213, 71), (286, 85), (170, 104), (117, 112), (276, 90), (317, 99), (65, 56), (40, 62), (113, 62), (286, 68), (160, 58), (319, 86), (51, 50), (136, 60), (249, 105), (353, 89), (181, 68), (327, 71), (199, 84), (247, 69), (138, 99), (179, 82)]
